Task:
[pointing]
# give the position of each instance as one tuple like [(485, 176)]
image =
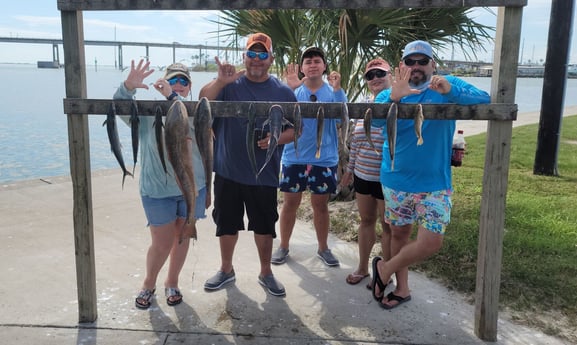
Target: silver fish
[(297, 126), (179, 149), (275, 122), (320, 129), (367, 121), (114, 140), (250, 138), (204, 139), (134, 122), (419, 118), (158, 134), (392, 132)]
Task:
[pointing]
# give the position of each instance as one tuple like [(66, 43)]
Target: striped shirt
[(364, 162)]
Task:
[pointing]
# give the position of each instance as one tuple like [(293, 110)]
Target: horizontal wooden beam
[(495, 111), (107, 5)]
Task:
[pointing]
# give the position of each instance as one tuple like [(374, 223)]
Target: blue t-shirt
[(425, 168), (307, 143), (231, 159)]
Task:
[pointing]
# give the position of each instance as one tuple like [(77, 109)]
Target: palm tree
[(351, 38)]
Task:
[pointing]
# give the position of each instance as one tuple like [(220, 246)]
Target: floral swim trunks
[(431, 210)]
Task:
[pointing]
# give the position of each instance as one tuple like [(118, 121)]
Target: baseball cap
[(313, 51), (177, 69), (259, 38), (378, 63), (418, 47)]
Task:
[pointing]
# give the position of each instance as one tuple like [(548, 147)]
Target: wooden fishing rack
[(500, 114)]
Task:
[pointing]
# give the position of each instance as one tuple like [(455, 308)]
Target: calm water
[(33, 126)]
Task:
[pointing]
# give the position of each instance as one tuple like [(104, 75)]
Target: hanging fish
[(204, 138), (275, 121), (297, 126), (419, 119), (134, 122), (114, 140), (320, 129), (392, 132), (158, 134), (367, 122), (250, 138)]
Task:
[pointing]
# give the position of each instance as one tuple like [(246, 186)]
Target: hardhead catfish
[(392, 132), (367, 122), (179, 149), (275, 122), (320, 129), (134, 122), (297, 125), (204, 138), (114, 140)]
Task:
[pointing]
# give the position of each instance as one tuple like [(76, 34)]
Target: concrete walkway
[(38, 296)]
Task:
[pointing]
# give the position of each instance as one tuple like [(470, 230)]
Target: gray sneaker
[(218, 280), (328, 258), (279, 257), (273, 286)]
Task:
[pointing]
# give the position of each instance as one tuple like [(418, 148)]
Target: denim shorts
[(162, 211), (431, 210)]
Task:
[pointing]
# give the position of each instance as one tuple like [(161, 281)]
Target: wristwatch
[(172, 96)]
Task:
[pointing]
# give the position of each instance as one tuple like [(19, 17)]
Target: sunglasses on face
[(422, 62), (183, 81), (313, 98), (261, 55), (375, 73)]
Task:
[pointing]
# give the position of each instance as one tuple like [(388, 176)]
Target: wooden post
[(495, 178), (78, 141)]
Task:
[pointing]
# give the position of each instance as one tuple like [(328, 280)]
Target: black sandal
[(143, 299), (377, 280), (173, 296)]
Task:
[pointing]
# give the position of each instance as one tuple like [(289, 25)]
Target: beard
[(418, 78)]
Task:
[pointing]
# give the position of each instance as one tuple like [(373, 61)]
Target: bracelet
[(172, 96)]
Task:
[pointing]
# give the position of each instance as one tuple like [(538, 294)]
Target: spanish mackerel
[(114, 140), (392, 132)]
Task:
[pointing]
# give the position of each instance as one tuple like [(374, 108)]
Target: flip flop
[(377, 280), (392, 297), (369, 286), (355, 278)]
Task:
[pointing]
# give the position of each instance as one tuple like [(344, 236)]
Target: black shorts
[(372, 188), (230, 200)]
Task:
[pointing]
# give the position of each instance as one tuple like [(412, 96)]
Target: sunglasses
[(261, 55), (183, 81), (375, 73), (313, 98), (422, 62)]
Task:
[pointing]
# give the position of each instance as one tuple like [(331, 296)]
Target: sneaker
[(218, 280), (328, 258), (279, 257), (272, 285)]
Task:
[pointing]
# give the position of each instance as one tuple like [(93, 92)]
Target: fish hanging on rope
[(419, 119), (134, 122), (204, 139), (114, 140), (179, 148), (392, 132), (320, 129), (158, 134), (344, 133), (250, 138), (367, 122), (275, 122)]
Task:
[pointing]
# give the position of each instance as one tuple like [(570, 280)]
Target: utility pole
[(555, 78)]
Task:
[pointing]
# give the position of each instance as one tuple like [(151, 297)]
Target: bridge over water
[(119, 44)]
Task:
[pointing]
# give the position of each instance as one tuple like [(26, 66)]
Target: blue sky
[(41, 19)]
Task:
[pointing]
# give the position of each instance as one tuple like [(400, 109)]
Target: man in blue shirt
[(418, 189)]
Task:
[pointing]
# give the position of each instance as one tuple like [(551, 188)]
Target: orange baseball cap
[(260, 38)]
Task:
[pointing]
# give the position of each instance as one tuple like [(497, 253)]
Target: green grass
[(539, 265)]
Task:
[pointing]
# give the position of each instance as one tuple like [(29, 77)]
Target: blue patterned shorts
[(431, 211), (297, 177)]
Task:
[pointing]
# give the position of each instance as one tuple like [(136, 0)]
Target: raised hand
[(136, 76), (400, 86), (335, 80), (291, 75), (440, 84), (226, 72)]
